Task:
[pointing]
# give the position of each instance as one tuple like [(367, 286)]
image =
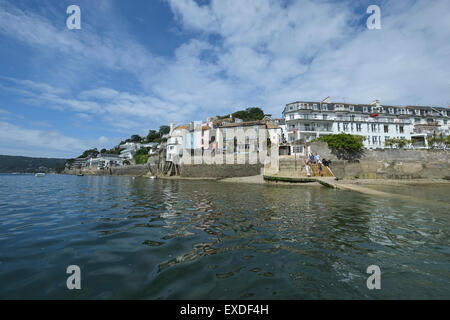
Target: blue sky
[(136, 65)]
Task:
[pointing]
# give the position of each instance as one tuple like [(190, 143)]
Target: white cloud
[(112, 51), (17, 140), (274, 53), (249, 53)]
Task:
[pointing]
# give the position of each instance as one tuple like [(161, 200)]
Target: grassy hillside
[(28, 164)]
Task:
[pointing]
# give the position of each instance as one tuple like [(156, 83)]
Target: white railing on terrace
[(348, 119)]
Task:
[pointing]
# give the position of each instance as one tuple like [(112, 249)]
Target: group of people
[(315, 159)]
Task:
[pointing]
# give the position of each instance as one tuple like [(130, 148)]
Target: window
[(358, 127), (386, 128), (352, 108), (315, 106), (416, 119), (291, 117), (365, 109), (345, 126), (325, 107), (339, 126), (374, 127), (401, 129), (374, 140)]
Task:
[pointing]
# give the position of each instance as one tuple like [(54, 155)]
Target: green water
[(158, 239)]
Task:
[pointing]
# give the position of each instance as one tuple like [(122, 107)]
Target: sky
[(136, 65)]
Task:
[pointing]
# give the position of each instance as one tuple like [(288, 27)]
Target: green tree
[(135, 138), (249, 114), (153, 136), (397, 143), (141, 156), (344, 146), (89, 153), (164, 130)]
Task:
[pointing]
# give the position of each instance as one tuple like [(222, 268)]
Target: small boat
[(152, 177), (39, 174), (80, 175)]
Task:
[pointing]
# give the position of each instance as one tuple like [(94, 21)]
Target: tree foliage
[(28, 164), (344, 146), (135, 138), (249, 114), (141, 156), (156, 136), (440, 141), (397, 143), (164, 129), (89, 153)]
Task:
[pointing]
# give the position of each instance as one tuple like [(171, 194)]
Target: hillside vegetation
[(28, 164)]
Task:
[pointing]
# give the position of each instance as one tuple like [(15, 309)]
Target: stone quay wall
[(219, 170), (389, 163)]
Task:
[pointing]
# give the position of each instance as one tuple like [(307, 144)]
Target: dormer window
[(365, 109), (352, 108)]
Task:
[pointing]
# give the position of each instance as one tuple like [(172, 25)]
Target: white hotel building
[(375, 122)]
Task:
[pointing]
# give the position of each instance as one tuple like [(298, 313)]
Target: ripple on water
[(154, 239)]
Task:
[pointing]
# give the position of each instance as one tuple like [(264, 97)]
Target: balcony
[(314, 129), (306, 108), (341, 109)]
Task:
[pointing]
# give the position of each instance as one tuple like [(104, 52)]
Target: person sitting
[(326, 162)]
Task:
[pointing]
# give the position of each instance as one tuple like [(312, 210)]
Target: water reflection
[(142, 238)]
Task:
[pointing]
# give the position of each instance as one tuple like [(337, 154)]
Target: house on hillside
[(104, 161), (174, 144)]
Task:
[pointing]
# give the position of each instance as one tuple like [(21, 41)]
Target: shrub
[(344, 146), (141, 156), (397, 143)]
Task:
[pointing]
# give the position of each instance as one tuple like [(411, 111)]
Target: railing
[(316, 129), (348, 119)]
